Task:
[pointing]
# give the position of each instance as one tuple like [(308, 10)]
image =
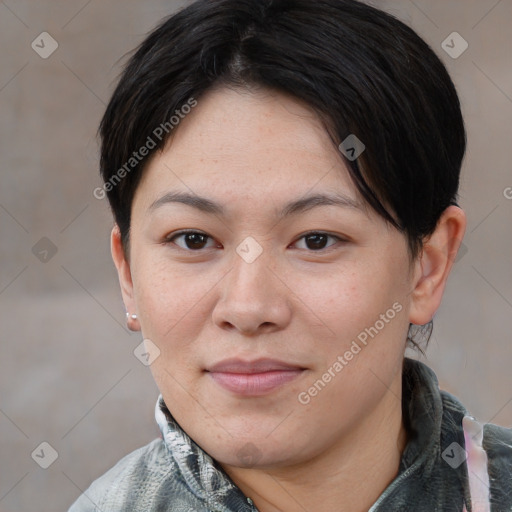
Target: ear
[(125, 278), (434, 264)]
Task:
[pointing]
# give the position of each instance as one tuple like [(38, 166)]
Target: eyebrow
[(292, 208)]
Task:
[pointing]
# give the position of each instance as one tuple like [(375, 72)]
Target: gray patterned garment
[(436, 474)]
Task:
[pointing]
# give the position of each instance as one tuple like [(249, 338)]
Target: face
[(282, 314)]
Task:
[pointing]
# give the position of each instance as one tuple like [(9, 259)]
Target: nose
[(253, 298)]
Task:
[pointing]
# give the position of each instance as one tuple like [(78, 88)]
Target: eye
[(191, 240), (317, 240), (196, 240)]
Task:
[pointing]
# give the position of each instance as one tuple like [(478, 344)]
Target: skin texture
[(252, 152)]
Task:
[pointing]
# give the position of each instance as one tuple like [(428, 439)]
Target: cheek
[(365, 313), (345, 300), (365, 305), (337, 301), (170, 299), (172, 305)]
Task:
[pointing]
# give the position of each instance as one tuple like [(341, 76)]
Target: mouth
[(253, 378)]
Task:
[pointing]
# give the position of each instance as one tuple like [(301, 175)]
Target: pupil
[(195, 240), (318, 241)]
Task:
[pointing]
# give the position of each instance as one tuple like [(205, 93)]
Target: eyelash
[(170, 239)]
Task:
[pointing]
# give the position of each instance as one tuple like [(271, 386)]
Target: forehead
[(248, 145)]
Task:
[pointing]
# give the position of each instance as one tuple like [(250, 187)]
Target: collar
[(203, 476)]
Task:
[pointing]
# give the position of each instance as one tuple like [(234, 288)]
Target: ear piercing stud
[(133, 317)]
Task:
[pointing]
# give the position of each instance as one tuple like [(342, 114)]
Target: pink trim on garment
[(477, 466)]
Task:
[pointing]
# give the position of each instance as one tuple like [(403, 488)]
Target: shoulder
[(497, 443), (135, 481), (489, 475)]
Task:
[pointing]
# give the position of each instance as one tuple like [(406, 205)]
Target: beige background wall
[(68, 375)]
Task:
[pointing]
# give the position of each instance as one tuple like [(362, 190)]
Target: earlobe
[(434, 264), (125, 278)]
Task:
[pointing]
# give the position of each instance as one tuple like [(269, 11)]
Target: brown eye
[(190, 240), (316, 241), (195, 240)]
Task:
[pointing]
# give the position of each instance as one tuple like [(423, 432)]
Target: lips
[(253, 378)]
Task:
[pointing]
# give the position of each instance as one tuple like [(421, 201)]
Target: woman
[(283, 177)]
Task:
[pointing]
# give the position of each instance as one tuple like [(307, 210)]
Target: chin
[(254, 452)]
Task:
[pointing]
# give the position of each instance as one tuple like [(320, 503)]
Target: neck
[(348, 477)]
